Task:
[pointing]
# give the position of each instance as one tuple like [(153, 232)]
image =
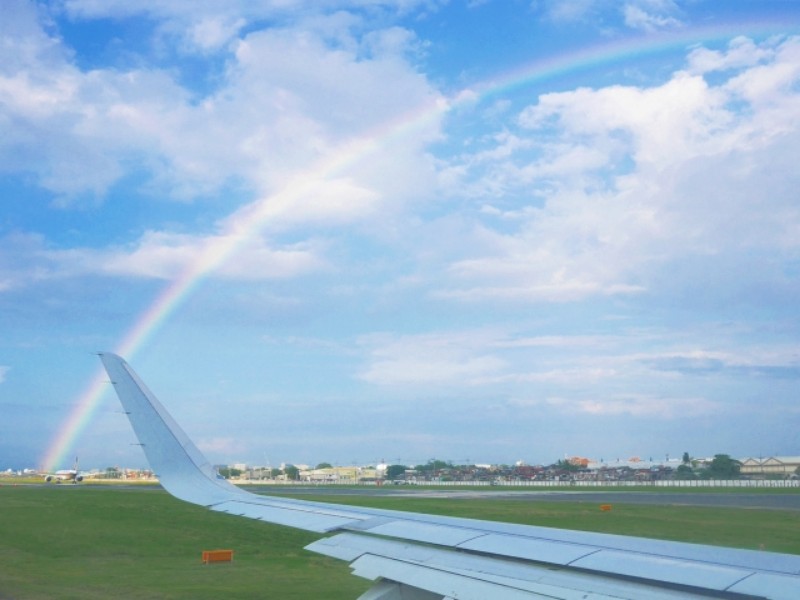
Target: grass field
[(83, 542), (98, 542)]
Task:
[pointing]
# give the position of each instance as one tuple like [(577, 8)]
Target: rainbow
[(219, 249)]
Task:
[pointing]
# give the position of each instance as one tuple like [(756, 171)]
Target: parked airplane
[(65, 475), (413, 556)]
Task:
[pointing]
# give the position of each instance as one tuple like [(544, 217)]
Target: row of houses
[(774, 467)]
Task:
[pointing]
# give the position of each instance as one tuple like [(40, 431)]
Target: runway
[(778, 501)]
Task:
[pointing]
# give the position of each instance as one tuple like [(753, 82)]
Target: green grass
[(98, 542), (79, 542), (757, 529)]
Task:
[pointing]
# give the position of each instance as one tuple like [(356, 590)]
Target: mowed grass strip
[(750, 528), (72, 542), (97, 542)]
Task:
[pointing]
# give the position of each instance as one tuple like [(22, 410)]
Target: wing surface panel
[(768, 585), (442, 582), (541, 550), (369, 555), (308, 518), (456, 557), (389, 590), (434, 533), (658, 568)]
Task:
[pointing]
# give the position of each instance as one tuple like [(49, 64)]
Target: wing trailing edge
[(414, 556)]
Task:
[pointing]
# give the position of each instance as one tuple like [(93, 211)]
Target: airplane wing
[(414, 556)]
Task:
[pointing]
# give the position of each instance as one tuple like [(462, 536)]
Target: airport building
[(785, 467)]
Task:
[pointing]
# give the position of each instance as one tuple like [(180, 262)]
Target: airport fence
[(683, 483)]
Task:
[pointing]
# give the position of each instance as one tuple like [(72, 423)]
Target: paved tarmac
[(745, 499)]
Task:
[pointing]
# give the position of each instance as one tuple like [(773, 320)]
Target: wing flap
[(431, 533), (658, 568), (440, 582), (769, 585), (540, 550), (458, 575)]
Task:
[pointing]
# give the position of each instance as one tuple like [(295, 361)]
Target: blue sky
[(349, 231)]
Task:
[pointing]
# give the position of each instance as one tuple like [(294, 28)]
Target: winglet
[(179, 465)]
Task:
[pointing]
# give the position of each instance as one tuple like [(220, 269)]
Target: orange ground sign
[(210, 556)]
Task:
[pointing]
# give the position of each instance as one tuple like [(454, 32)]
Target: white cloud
[(22, 261), (224, 447), (671, 122), (642, 181), (306, 201), (640, 406), (568, 376), (771, 85), (208, 25), (288, 99), (569, 11), (429, 359), (167, 256), (488, 356), (576, 248), (651, 15), (645, 15), (634, 373), (741, 52), (159, 255), (775, 360), (75, 130), (212, 32)]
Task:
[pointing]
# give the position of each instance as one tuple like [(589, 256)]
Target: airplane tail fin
[(76, 477), (180, 467)]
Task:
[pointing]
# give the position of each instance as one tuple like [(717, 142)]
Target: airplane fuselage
[(63, 475)]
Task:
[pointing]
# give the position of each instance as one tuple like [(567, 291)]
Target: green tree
[(686, 458), (685, 471), (434, 464), (227, 472), (724, 467), (395, 471), (292, 472), (324, 465)]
